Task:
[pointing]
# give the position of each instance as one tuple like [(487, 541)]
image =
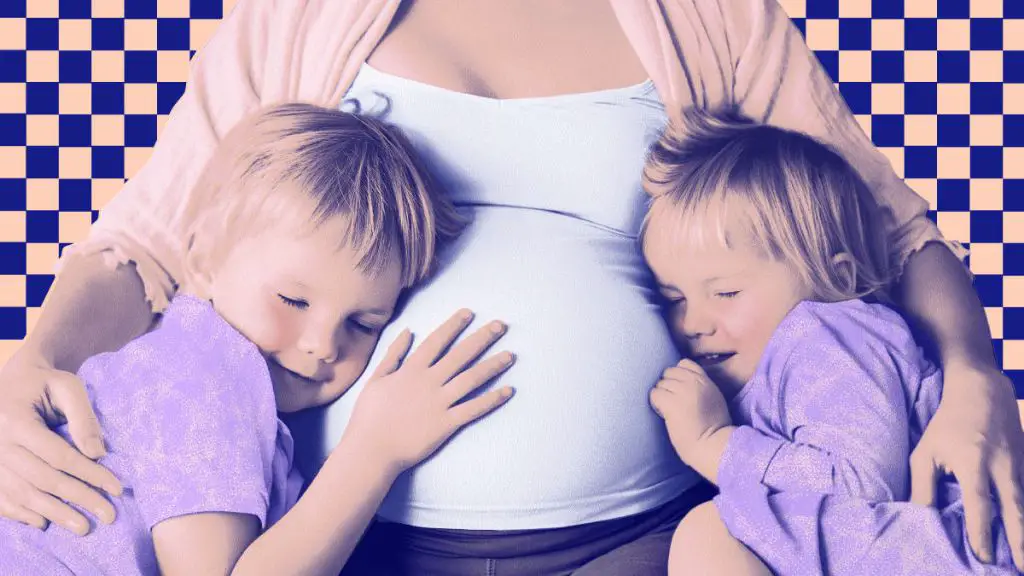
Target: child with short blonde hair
[(803, 395), (308, 223)]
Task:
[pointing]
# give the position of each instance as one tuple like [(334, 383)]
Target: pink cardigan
[(698, 52)]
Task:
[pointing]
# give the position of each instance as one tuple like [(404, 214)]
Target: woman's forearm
[(318, 535), (91, 308), (938, 300)]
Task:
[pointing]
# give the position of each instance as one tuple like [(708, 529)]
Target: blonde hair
[(344, 164), (803, 204)]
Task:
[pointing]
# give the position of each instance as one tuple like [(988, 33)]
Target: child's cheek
[(276, 327)]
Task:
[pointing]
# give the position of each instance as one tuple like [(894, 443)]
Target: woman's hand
[(39, 471), (409, 408), (976, 436), (693, 408)]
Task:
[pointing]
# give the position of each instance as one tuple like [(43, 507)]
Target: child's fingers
[(977, 500), (472, 409), (440, 339), (657, 398), (465, 352), (394, 356), (457, 388), (691, 366), (678, 374)]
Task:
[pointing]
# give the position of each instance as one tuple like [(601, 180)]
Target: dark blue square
[(13, 194), (857, 96), (920, 162), (42, 34), (989, 288), (954, 9), (140, 66), (887, 66), (1013, 130), (986, 226), (855, 34), (42, 162), (885, 9), (1013, 10), (12, 258), (42, 97), (75, 130), (12, 130), (107, 98), (954, 195), (986, 34), (954, 66), (12, 66), (76, 9), (75, 66), (42, 226), (1016, 376), (887, 130), (997, 351), (830, 62), (920, 98), (1013, 66), (140, 9), (12, 323), (139, 130), (107, 34), (167, 95), (172, 34), (36, 287), (107, 162), (986, 162), (986, 98), (13, 9), (1013, 261), (954, 130), (801, 26), (920, 33), (1013, 323), (1013, 195), (817, 9), (209, 9), (75, 195)]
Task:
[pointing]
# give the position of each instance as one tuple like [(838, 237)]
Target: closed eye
[(297, 303), (728, 295), (364, 327)]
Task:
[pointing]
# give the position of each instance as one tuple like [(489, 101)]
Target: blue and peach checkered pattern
[(86, 86)]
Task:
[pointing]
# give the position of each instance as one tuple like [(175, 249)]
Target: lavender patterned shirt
[(812, 478), (191, 426)]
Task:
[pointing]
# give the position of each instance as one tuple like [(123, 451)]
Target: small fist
[(692, 406)]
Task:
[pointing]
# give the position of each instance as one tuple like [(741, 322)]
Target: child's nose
[(696, 323), (323, 344)]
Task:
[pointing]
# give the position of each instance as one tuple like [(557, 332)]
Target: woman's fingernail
[(507, 357), (507, 392), (104, 516), (112, 489), (498, 327)]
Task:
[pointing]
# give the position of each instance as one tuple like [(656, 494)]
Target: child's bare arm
[(703, 545)]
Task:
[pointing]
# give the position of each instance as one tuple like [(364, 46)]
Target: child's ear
[(846, 270)]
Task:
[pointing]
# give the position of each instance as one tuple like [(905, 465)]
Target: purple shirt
[(812, 478), (190, 422)]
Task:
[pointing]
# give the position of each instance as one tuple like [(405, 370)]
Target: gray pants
[(632, 546)]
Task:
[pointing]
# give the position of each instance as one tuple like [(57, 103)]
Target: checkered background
[(86, 86)]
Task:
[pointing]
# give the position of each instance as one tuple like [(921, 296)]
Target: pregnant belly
[(579, 441)]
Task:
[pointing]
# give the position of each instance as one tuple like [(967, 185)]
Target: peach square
[(954, 163), (75, 162), (31, 318), (12, 226), (172, 9), (108, 130), (199, 31), (853, 8), (920, 9), (1013, 34), (172, 66), (994, 316), (42, 130), (140, 98), (864, 120), (920, 130), (41, 258), (954, 34), (74, 226), (42, 194), (895, 156), (920, 66), (1013, 227), (161, 121), (12, 161), (1013, 163), (108, 8), (1013, 291), (887, 98), (885, 34), (135, 159), (793, 8), (955, 225), (987, 8), (12, 98), (986, 194), (954, 98), (12, 291), (1013, 98), (42, 8), (12, 34), (103, 190), (229, 5), (986, 130), (75, 99), (855, 66), (926, 188), (42, 66), (140, 34), (987, 258), (108, 66), (7, 349), (986, 66), (823, 34), (75, 34)]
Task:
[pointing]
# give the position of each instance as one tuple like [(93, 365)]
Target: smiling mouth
[(713, 359), (295, 374)]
